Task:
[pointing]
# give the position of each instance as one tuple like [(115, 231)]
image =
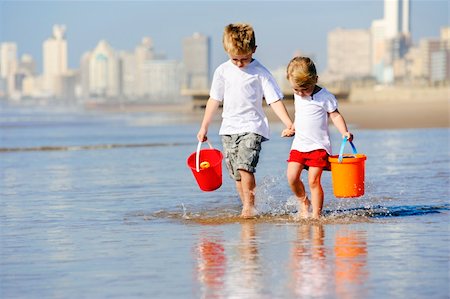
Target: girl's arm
[(339, 122), (211, 107)]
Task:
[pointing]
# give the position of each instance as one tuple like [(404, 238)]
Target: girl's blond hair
[(302, 72), (239, 39)]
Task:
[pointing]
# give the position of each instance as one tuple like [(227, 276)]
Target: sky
[(282, 27)]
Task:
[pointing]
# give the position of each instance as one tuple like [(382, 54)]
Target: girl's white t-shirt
[(241, 90), (311, 121)]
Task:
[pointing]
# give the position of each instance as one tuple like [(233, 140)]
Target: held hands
[(348, 135), (288, 132)]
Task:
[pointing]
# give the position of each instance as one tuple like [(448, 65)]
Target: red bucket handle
[(197, 155)]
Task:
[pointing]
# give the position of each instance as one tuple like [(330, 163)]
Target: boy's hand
[(201, 135), (288, 132)]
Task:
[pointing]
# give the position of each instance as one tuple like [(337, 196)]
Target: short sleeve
[(271, 90), (331, 104), (217, 90)]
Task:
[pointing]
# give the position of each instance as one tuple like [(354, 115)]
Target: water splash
[(185, 216)]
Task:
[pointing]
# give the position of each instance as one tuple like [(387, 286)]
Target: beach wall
[(399, 94)]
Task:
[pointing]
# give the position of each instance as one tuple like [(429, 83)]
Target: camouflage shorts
[(241, 151)]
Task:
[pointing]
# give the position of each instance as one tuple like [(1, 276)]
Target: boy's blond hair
[(239, 39), (302, 72)]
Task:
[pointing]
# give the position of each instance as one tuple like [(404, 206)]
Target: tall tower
[(8, 67), (397, 17), (391, 38), (196, 59), (54, 60), (143, 53)]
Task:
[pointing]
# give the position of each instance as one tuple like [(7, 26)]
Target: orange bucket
[(348, 173), (206, 166)]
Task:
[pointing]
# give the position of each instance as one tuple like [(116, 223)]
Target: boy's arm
[(339, 122), (211, 107), (280, 110)]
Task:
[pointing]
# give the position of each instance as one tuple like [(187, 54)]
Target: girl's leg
[(247, 193), (315, 186), (293, 173)]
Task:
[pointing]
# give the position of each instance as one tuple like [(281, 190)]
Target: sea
[(97, 204)]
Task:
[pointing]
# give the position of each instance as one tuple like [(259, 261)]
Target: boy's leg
[(315, 186), (294, 171), (247, 185), (239, 190), (247, 156)]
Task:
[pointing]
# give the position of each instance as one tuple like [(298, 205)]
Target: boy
[(240, 84), (311, 145)]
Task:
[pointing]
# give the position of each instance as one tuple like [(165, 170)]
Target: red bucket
[(206, 166)]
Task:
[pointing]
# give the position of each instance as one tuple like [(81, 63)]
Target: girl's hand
[(348, 135), (289, 132)]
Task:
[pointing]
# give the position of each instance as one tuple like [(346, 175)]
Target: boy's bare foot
[(249, 213)]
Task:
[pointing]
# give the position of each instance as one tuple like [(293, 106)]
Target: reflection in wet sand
[(350, 249), (232, 273), (335, 268), (310, 263), (244, 277), (211, 266)]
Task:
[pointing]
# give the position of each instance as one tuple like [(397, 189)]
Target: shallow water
[(103, 205)]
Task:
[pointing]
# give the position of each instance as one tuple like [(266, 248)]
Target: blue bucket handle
[(197, 156), (341, 151)]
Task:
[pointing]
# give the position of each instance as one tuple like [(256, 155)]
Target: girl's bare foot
[(316, 217), (304, 205)]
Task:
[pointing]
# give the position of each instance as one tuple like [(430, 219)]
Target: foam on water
[(224, 215)]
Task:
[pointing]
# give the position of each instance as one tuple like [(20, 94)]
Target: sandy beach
[(388, 115), (366, 115)]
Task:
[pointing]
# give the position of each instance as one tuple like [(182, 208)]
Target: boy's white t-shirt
[(311, 121), (241, 90)]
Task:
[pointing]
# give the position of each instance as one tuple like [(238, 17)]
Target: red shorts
[(316, 158)]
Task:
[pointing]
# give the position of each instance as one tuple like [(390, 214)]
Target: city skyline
[(167, 23)]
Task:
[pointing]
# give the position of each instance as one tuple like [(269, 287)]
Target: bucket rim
[(347, 158)]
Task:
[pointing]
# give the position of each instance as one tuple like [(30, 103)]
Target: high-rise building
[(84, 75), (8, 67), (134, 66), (397, 18), (8, 59), (55, 61), (27, 65), (104, 72), (391, 39), (129, 75), (196, 59), (349, 53), (162, 81)]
